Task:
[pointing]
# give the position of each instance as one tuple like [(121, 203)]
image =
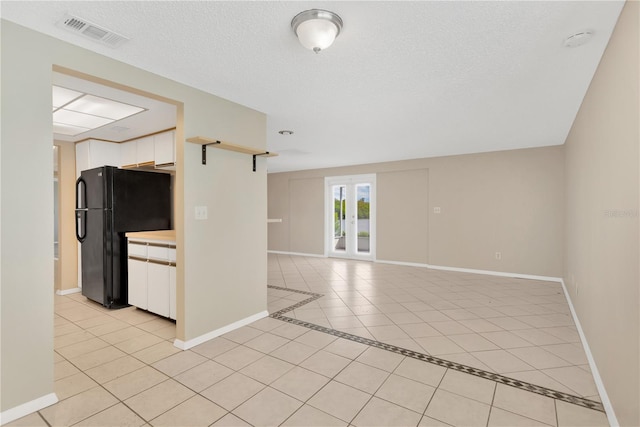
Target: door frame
[(349, 180)]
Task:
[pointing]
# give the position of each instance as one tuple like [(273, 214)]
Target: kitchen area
[(215, 291), (123, 196)]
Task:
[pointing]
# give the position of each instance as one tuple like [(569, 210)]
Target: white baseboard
[(498, 273), (608, 407), (68, 291), (186, 345), (27, 408), (296, 254), (408, 264), (474, 271)]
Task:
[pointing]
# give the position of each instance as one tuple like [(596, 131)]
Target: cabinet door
[(138, 283), (164, 145), (145, 150), (158, 288), (103, 154), (172, 293), (82, 158), (128, 154)]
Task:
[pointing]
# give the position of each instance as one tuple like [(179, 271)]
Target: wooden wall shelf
[(205, 142)]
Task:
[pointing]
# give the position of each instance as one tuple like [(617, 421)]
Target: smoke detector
[(92, 31), (578, 39)]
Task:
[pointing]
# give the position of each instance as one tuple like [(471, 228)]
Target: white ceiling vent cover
[(92, 31)]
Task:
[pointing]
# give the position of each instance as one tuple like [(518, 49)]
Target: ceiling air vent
[(92, 31)]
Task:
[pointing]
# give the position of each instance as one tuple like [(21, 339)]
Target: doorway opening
[(350, 217)]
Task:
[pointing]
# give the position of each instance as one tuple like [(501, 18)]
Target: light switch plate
[(201, 212), (436, 210)]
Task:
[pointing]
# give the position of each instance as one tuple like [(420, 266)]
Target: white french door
[(350, 216)]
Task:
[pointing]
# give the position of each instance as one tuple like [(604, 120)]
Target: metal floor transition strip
[(554, 394)]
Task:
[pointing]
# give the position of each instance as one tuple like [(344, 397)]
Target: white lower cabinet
[(158, 288), (152, 277), (138, 283), (172, 293)]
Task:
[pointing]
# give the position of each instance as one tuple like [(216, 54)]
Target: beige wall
[(305, 213), (68, 249), (26, 272), (402, 216), (510, 202), (215, 287), (601, 271)]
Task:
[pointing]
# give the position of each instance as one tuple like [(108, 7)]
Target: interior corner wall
[(215, 287), (510, 202), (602, 257), (26, 237)]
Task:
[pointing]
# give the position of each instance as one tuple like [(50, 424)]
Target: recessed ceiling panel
[(62, 96), (62, 129), (103, 107), (74, 118)]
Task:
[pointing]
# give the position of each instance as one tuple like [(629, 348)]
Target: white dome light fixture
[(316, 28)]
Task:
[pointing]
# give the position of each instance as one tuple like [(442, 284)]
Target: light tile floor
[(119, 368), (519, 328)]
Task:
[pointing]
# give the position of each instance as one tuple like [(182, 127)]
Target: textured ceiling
[(403, 79)]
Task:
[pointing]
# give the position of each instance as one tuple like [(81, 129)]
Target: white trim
[(186, 345), (608, 407), (497, 273), (68, 291), (27, 408), (408, 264), (474, 271), (296, 254)]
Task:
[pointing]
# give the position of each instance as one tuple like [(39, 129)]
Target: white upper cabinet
[(145, 150), (93, 153), (155, 150), (165, 148), (128, 154)]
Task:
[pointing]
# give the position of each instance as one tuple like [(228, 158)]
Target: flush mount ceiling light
[(316, 28), (76, 112)]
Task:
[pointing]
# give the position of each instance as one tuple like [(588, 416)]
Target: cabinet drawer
[(137, 249), (158, 252), (172, 254)]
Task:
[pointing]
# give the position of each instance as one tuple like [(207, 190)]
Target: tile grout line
[(424, 414), (44, 419), (554, 394), (142, 391), (493, 399)]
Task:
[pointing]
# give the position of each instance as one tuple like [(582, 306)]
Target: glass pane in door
[(339, 217), (363, 194)]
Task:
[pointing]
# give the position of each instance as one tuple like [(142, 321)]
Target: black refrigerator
[(109, 203)]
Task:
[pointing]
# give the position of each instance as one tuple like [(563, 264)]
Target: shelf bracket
[(266, 153), (204, 151)]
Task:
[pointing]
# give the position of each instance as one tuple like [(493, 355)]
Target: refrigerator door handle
[(81, 225), (81, 211), (80, 182)]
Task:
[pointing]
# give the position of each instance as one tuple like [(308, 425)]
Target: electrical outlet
[(436, 210), (498, 256), (201, 212)]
